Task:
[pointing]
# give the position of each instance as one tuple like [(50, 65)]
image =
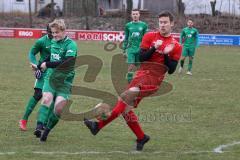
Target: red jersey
[(157, 59), (151, 72), (150, 38)]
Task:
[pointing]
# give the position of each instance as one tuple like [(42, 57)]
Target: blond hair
[(59, 24)]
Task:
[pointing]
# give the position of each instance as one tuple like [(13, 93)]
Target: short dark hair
[(136, 10), (166, 14)]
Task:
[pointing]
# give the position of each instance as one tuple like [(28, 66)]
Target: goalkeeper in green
[(133, 32), (189, 39)]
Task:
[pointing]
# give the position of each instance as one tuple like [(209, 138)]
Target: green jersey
[(59, 80), (42, 46), (60, 51), (189, 37), (134, 32)]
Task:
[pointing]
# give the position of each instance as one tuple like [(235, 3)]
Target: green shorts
[(58, 88), (188, 51), (133, 56), (40, 82)]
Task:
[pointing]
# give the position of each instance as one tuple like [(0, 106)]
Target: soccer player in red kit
[(159, 54)]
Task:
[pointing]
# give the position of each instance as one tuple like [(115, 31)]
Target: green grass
[(199, 114)]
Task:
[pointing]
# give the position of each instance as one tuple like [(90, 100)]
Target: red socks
[(117, 110), (132, 122), (130, 118)]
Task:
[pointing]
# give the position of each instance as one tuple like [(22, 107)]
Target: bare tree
[(30, 13), (139, 4), (233, 9), (85, 8), (229, 6), (129, 10), (36, 6), (181, 7), (52, 10), (220, 8), (219, 13), (213, 6)]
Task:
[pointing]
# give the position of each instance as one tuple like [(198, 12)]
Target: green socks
[(42, 114), (50, 110), (53, 120), (29, 108), (190, 65)]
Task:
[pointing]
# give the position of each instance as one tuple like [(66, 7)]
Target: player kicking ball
[(57, 85), (159, 54)]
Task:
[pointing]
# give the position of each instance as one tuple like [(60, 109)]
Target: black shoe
[(140, 143), (38, 130), (92, 126), (45, 135)]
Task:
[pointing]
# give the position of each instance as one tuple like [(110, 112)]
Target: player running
[(41, 46), (133, 32), (159, 53), (59, 78), (189, 38)]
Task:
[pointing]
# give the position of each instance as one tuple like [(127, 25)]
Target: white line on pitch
[(110, 152), (220, 148), (7, 153), (122, 152)]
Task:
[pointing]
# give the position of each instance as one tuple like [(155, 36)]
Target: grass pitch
[(199, 114)]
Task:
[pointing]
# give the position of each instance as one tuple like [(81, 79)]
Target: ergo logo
[(25, 33)]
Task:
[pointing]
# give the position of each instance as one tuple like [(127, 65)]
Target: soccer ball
[(103, 111)]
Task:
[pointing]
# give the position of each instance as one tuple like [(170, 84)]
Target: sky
[(203, 6)]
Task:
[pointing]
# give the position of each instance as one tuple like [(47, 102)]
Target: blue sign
[(214, 39)]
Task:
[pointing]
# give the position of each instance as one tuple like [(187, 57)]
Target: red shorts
[(148, 84)]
